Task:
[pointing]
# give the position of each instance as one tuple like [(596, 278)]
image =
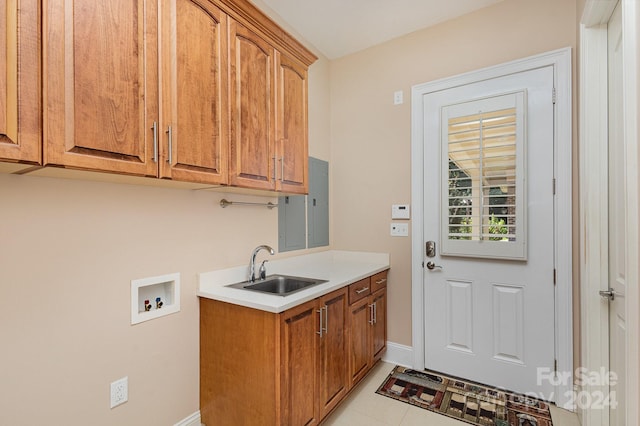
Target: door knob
[(431, 266), (609, 294)]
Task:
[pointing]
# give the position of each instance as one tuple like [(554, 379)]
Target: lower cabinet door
[(332, 368), (379, 333), (299, 349), (359, 342)]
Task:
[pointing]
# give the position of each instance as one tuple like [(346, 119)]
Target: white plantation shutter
[(483, 178)]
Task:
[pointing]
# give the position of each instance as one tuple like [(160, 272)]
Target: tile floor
[(364, 407)]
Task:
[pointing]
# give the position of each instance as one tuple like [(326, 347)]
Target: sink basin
[(281, 285)]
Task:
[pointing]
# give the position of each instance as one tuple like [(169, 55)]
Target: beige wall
[(69, 251), (371, 138)]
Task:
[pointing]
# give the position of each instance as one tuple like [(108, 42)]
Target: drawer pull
[(362, 290), (384, 280)]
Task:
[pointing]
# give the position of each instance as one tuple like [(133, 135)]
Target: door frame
[(593, 165), (561, 61)]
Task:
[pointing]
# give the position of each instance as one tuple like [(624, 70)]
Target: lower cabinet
[(313, 349), (367, 325), (290, 368)]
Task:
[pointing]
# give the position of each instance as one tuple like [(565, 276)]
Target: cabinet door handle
[(362, 290), (371, 314), (326, 319), (320, 331), (375, 312), (275, 169), (170, 156), (155, 141), (384, 280), (281, 169)]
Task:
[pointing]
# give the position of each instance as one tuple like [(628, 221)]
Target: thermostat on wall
[(400, 211)]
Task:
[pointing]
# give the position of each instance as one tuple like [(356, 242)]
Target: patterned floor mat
[(464, 400)]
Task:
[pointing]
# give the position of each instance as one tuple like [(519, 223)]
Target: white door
[(489, 208), (617, 223)]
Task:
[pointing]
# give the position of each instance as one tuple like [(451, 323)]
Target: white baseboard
[(398, 354), (192, 420)]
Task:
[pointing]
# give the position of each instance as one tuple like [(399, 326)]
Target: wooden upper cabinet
[(101, 85), (210, 92), (194, 92), (252, 105), (292, 126), (20, 130)]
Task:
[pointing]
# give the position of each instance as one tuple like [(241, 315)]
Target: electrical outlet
[(119, 392)]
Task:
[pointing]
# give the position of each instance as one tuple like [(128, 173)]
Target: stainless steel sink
[(281, 285)]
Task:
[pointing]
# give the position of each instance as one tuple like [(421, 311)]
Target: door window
[(483, 196)]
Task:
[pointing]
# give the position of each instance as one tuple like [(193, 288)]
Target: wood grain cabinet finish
[(282, 369), (20, 117), (292, 124), (359, 360), (268, 135), (194, 92), (268, 115), (379, 326), (101, 84), (104, 96), (299, 349), (252, 109), (201, 91), (314, 345), (332, 369), (367, 325)]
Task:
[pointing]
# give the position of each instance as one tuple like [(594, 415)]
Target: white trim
[(192, 420), (594, 217), (631, 84), (561, 61), (597, 12), (594, 195), (398, 354)]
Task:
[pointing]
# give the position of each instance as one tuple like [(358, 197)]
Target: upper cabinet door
[(292, 126), (101, 84), (19, 81), (194, 92), (252, 105)]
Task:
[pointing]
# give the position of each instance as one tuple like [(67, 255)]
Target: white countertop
[(339, 268)]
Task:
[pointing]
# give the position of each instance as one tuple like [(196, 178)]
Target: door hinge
[(554, 277), (554, 186), (553, 95)]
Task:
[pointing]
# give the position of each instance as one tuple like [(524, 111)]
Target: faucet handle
[(263, 270)]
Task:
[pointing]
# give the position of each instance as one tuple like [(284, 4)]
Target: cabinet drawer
[(359, 290), (378, 281)]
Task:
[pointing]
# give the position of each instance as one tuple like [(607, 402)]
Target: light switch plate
[(400, 211), (398, 97), (399, 229)]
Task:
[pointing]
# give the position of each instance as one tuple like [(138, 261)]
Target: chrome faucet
[(252, 263)]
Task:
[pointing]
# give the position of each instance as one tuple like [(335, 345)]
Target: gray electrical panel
[(318, 203), (292, 221)]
